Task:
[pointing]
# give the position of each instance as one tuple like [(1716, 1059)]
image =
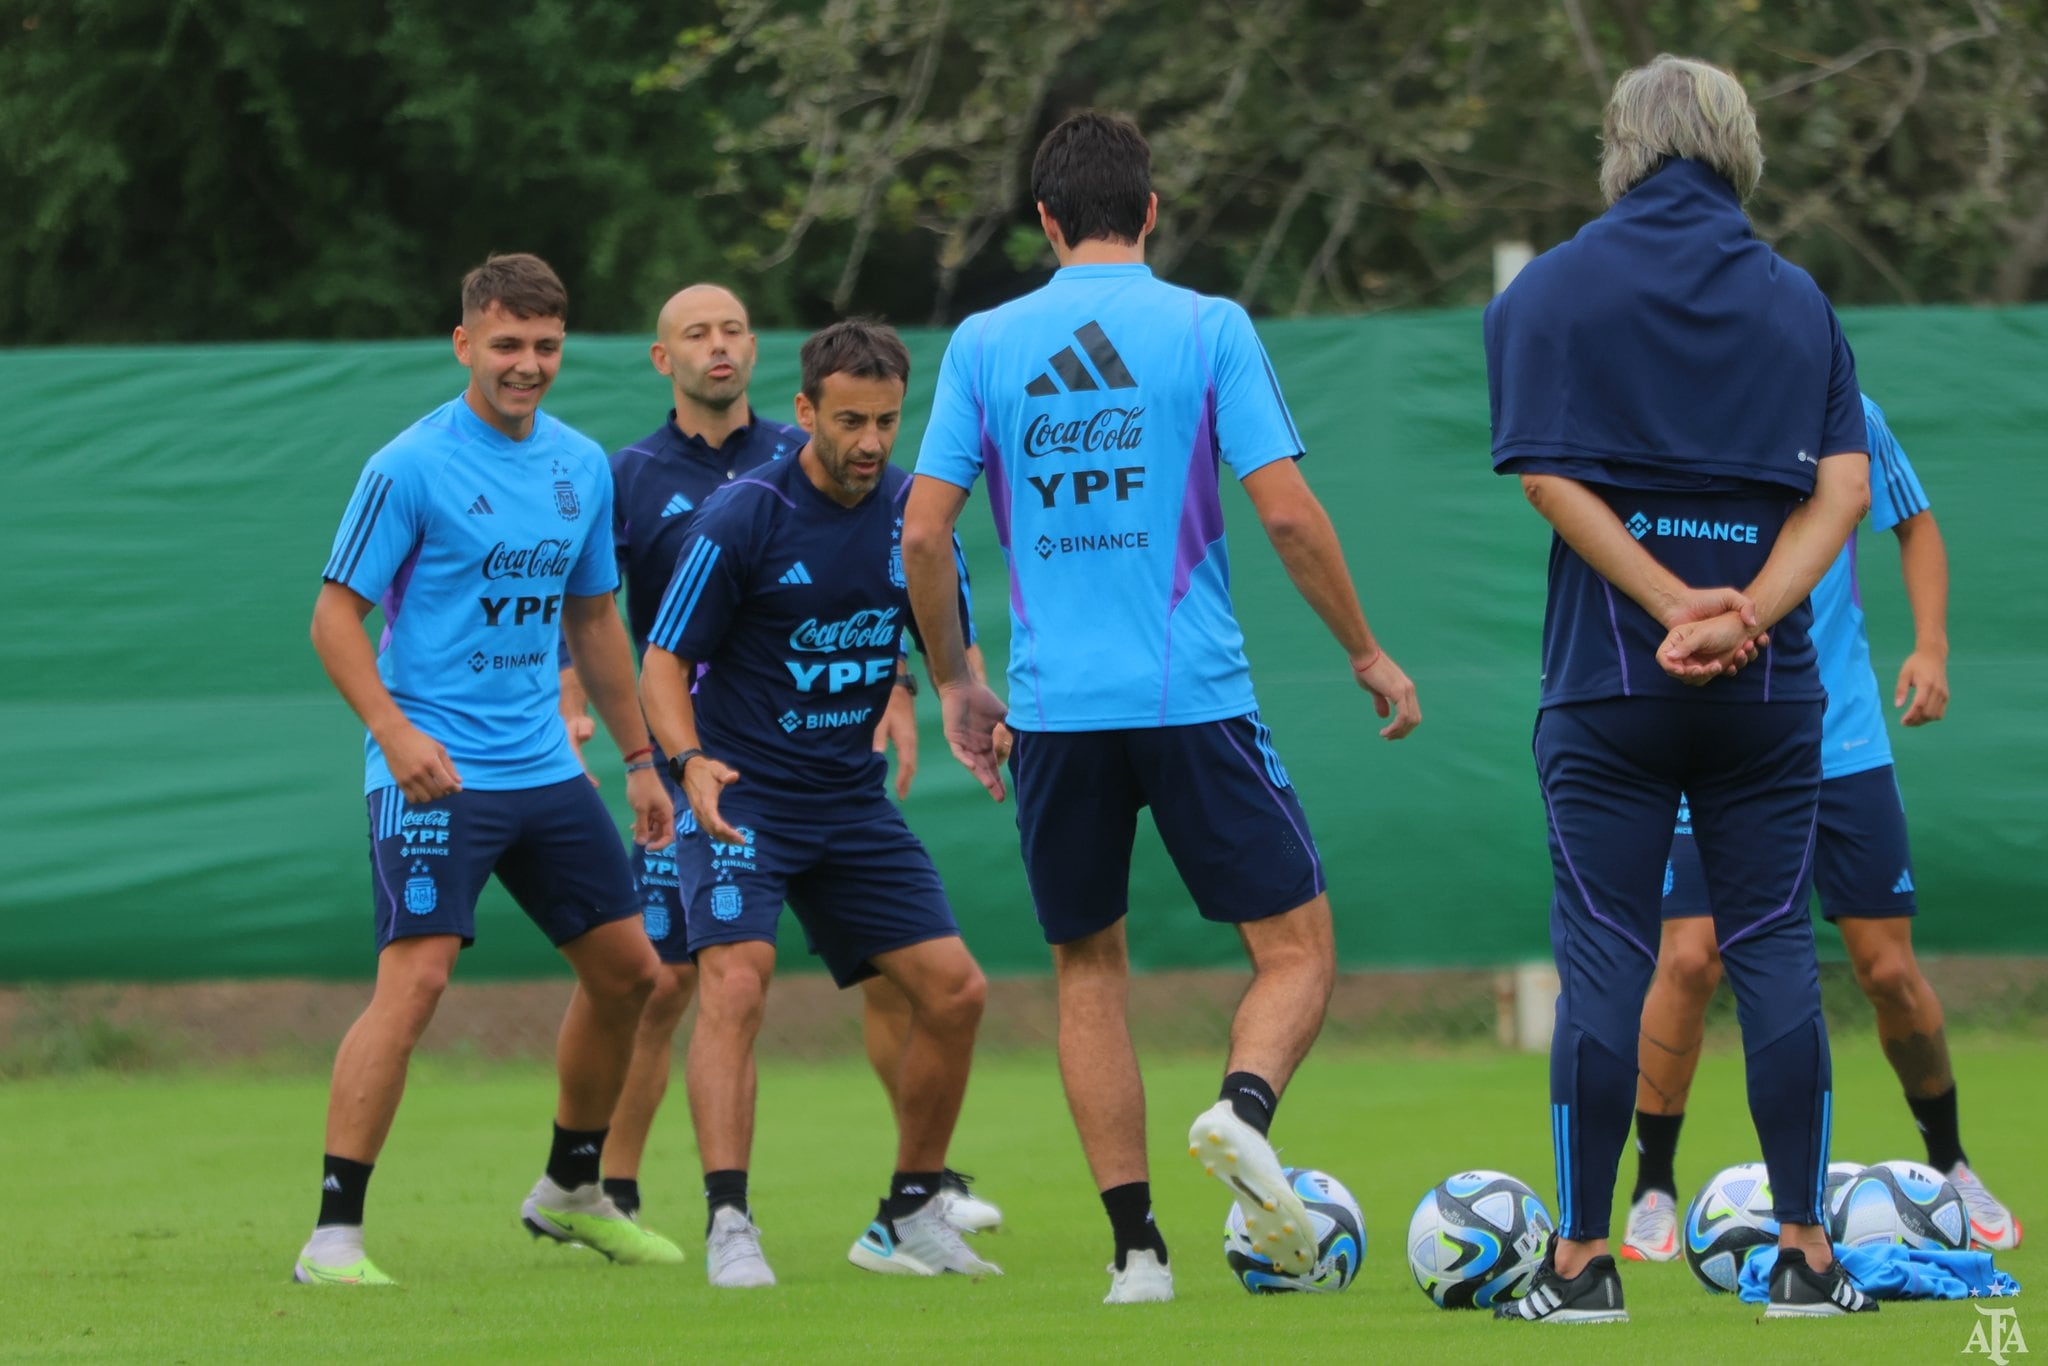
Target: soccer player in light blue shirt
[(1863, 872), (483, 532), (1101, 410)]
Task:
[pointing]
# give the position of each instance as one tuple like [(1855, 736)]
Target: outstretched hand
[(975, 731), (704, 779)]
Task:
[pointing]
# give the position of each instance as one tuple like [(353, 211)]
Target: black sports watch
[(907, 681), (678, 762)]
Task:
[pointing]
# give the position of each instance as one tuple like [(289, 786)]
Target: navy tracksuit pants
[(1611, 773)]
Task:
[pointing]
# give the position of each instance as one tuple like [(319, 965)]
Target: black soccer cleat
[(1592, 1296), (1800, 1292)]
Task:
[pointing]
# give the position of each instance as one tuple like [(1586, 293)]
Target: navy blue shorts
[(1862, 867), (860, 883), (1222, 801), (553, 848), (656, 887)]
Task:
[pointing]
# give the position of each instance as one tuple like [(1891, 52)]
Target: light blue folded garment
[(1893, 1271)]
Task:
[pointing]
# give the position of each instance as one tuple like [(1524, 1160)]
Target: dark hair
[(520, 283), (1093, 173), (861, 347)]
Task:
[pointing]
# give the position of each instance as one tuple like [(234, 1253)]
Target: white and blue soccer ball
[(1730, 1218), (1339, 1228), (1477, 1239), (1900, 1202), (1835, 1189)]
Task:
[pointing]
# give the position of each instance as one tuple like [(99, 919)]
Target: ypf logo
[(1996, 1335), (1639, 526)]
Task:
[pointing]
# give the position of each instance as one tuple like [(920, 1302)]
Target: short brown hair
[(520, 283), (864, 348), (1093, 173)]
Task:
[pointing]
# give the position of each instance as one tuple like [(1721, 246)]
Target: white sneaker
[(919, 1244), (1144, 1280), (732, 1251), (1992, 1226), (1652, 1229), (965, 1210), (1239, 1156)]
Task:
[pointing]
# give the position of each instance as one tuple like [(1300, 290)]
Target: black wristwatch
[(907, 681), (678, 762)]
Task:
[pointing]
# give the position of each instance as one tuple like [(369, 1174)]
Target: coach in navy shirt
[(1681, 407)]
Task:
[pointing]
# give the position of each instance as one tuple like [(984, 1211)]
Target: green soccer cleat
[(587, 1217), (358, 1272)]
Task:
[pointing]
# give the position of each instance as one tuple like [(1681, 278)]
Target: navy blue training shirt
[(658, 481), (1694, 379), (799, 606)]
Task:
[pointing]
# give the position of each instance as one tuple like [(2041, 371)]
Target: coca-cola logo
[(1107, 429), (548, 559), (872, 628)]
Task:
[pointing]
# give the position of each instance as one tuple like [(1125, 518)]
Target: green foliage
[(181, 169)]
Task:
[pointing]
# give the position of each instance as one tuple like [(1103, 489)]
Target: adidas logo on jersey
[(796, 573), (675, 505), (1904, 884), (481, 507), (1074, 377)]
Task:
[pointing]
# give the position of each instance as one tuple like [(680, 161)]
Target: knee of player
[(670, 996), (729, 982), (958, 1003), (1890, 974), (1692, 966)]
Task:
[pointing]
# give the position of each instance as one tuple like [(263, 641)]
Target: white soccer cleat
[(1992, 1226), (1145, 1279), (965, 1210), (1652, 1234), (732, 1252), (919, 1244), (1239, 1156)]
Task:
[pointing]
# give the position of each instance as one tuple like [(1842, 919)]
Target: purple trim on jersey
[(759, 484), (1769, 659), (1855, 584), (1796, 899), (1620, 657), (1201, 526), (999, 504), (1308, 845), (1550, 812), (393, 600)]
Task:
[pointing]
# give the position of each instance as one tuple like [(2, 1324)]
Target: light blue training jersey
[(1853, 737), (468, 541), (1101, 407)]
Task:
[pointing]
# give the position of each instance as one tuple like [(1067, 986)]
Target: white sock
[(336, 1244)]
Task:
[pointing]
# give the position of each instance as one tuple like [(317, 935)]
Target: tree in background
[(233, 168)]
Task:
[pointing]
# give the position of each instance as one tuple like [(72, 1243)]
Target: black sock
[(342, 1187), (1130, 1220), (1252, 1098), (908, 1192), (625, 1193), (1656, 1154), (727, 1187), (577, 1157), (1936, 1116)]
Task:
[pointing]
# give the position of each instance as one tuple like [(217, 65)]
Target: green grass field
[(164, 1212)]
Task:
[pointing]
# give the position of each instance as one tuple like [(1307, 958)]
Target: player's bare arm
[(575, 709), (604, 660), (971, 710), (419, 764), (1299, 528), (672, 716), (1923, 562), (898, 728)]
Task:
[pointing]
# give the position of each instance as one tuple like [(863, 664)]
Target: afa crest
[(725, 902), (421, 896), (657, 920), (896, 565), (565, 500)]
